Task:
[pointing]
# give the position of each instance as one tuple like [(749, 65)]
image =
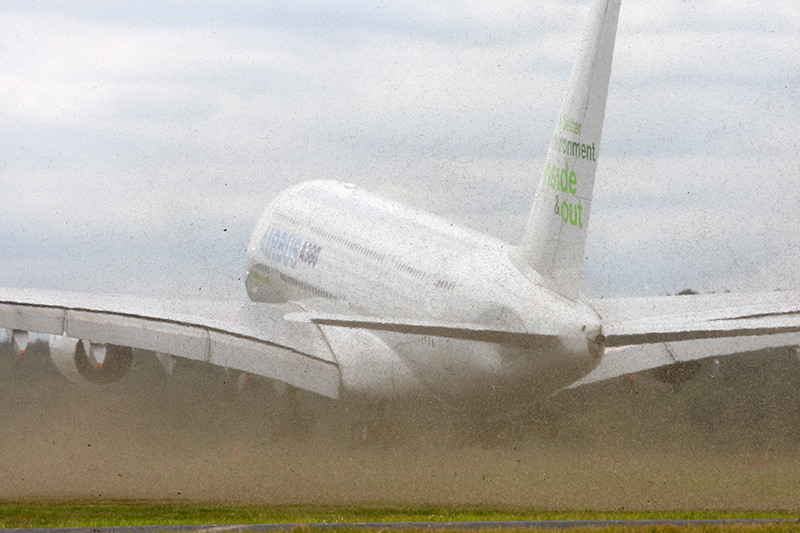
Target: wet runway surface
[(538, 524)]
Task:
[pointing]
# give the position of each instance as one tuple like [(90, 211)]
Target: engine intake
[(73, 360)]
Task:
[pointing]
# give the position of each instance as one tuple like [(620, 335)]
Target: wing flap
[(252, 356), (182, 340), (39, 319), (637, 358)]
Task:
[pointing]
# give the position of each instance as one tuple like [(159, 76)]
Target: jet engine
[(81, 361), (677, 373)]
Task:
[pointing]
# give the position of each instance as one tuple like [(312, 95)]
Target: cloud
[(664, 224), (180, 118)]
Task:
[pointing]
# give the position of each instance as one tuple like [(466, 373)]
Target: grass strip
[(140, 513)]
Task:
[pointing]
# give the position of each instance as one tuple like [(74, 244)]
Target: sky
[(141, 140)]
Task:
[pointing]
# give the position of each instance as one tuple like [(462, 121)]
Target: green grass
[(132, 513)]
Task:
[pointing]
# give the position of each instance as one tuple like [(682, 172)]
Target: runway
[(399, 526)]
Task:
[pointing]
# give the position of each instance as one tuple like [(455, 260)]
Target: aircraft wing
[(646, 333), (250, 337)]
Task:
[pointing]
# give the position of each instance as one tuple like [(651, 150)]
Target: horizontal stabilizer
[(683, 318), (647, 333), (465, 331), (676, 329)]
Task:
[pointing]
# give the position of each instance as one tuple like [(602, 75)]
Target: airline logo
[(288, 249)]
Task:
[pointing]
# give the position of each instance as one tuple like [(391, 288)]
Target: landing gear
[(374, 424), (290, 416)]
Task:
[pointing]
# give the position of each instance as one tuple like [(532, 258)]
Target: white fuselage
[(348, 251)]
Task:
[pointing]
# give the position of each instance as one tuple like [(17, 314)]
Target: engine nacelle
[(677, 373), (77, 361)]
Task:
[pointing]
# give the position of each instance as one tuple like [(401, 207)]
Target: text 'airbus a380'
[(357, 297)]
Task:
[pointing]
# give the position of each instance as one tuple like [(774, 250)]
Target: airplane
[(355, 297)]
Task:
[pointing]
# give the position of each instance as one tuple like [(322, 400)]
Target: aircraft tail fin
[(555, 237)]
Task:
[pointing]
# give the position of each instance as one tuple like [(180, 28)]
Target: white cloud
[(706, 223), (126, 121)]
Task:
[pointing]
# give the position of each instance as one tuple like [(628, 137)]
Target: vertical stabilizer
[(555, 237)]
